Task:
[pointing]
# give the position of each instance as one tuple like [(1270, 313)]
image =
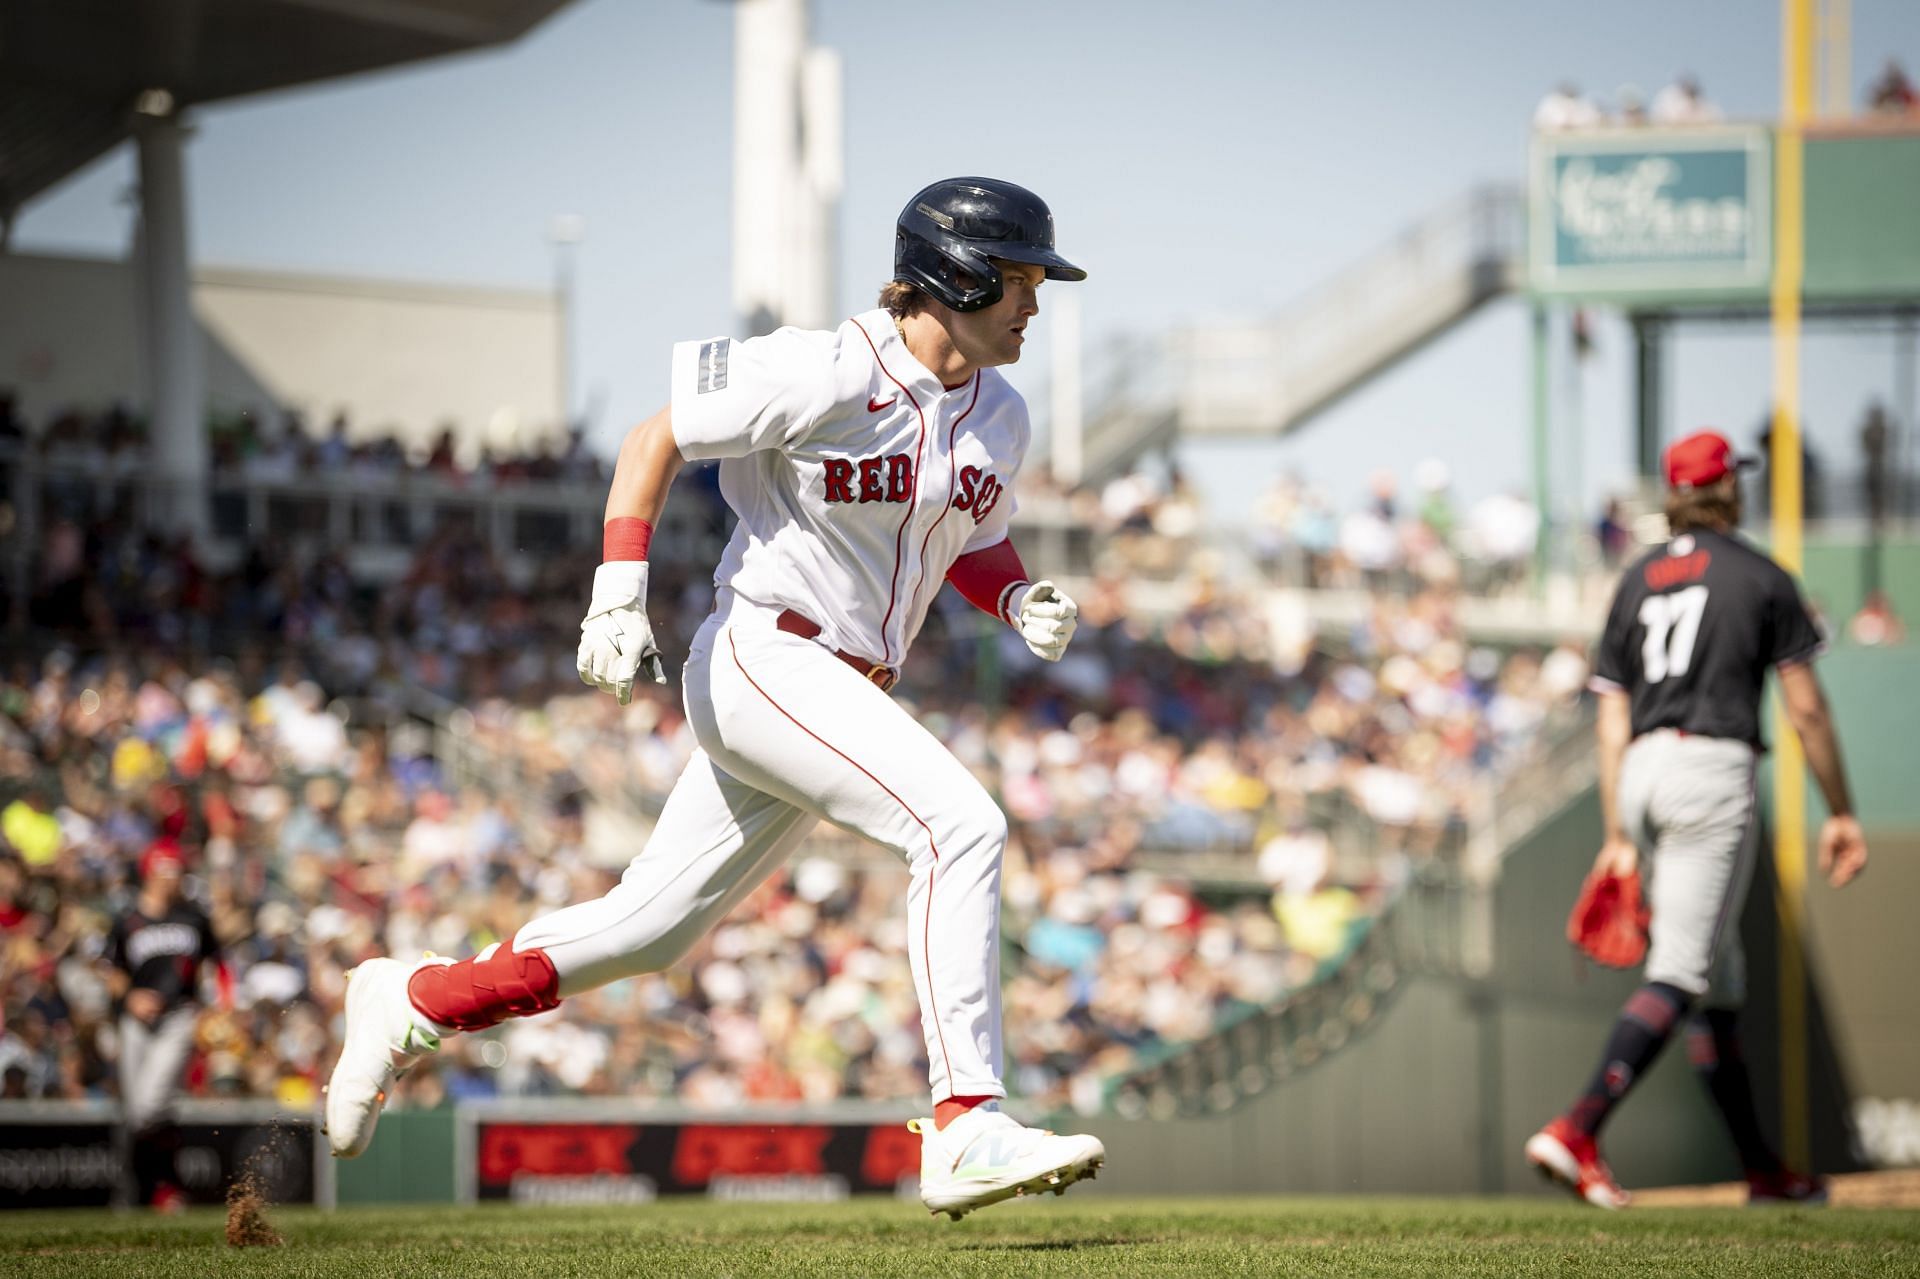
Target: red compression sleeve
[(987, 578), (625, 537)]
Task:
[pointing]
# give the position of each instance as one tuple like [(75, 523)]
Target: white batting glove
[(1047, 620), (616, 639)]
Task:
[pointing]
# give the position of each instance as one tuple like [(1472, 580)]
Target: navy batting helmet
[(959, 225)]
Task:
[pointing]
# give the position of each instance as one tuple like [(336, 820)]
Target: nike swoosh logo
[(875, 404)]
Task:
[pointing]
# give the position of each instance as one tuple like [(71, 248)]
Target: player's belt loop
[(880, 676)]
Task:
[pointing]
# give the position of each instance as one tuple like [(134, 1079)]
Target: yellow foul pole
[(1790, 773)]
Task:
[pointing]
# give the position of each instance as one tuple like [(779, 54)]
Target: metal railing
[(377, 519), (1268, 376)]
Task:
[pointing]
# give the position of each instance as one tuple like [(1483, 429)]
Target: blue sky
[(1211, 158)]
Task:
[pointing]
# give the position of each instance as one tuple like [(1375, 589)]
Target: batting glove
[(1047, 620), (616, 639)]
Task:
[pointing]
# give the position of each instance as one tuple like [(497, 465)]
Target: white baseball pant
[(1689, 803), (788, 734)]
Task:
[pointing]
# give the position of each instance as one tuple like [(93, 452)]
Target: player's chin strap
[(498, 983)]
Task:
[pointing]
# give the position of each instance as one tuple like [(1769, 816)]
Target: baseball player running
[(866, 465), (1693, 630), (153, 959)]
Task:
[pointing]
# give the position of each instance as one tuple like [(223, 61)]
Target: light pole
[(565, 232)]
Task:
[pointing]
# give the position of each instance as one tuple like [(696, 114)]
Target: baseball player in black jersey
[(1694, 628), (154, 956)]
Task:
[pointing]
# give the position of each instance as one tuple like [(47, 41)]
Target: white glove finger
[(622, 690), (1041, 590), (1060, 609)]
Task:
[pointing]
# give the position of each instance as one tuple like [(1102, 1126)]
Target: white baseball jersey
[(858, 478)]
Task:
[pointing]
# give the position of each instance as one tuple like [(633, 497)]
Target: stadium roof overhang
[(73, 71)]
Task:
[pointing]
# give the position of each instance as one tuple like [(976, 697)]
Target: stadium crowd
[(298, 780), (320, 829)]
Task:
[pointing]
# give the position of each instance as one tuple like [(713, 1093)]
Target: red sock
[(945, 1112), (477, 993)]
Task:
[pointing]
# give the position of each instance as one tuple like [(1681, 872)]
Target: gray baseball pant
[(1689, 803), (151, 1061)]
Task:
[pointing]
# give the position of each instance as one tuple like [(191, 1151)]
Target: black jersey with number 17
[(1694, 627)]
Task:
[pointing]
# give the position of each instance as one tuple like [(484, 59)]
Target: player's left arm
[(1843, 845), (1791, 641), (991, 577)]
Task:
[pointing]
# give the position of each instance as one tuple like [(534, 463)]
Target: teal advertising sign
[(1651, 211)]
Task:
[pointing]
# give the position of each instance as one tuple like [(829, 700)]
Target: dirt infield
[(1894, 1188)]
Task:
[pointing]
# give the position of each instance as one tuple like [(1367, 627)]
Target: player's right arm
[(1843, 846), (616, 639), (649, 460), (1613, 677), (729, 399), (1613, 730)]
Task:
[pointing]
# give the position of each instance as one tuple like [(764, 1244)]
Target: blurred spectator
[(1876, 624), (336, 450), (1630, 106), (1566, 108), (1613, 535), (1682, 103), (1891, 92), (31, 829), (1875, 435), (1502, 530)]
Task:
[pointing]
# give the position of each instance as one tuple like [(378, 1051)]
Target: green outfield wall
[(411, 1161)]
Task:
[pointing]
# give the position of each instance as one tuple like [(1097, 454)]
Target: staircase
[(1272, 377)]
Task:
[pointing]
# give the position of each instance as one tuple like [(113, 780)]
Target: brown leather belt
[(883, 677)]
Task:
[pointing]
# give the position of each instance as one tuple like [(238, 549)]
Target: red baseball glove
[(1609, 920)]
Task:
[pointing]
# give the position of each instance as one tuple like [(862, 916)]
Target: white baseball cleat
[(384, 1037), (985, 1156)]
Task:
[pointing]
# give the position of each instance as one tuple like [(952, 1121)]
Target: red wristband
[(625, 537)]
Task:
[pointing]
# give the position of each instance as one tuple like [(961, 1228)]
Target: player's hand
[(145, 1004), (1047, 620), (1843, 850), (1619, 857), (616, 639)]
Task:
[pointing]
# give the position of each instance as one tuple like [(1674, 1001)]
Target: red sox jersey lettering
[(890, 479), (849, 465)]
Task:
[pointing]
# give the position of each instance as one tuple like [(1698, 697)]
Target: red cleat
[(1567, 1155), (1785, 1187)]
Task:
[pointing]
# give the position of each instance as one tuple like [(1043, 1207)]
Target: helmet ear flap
[(938, 268)]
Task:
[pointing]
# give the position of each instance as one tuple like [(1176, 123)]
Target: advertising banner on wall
[(57, 1155), (1651, 211), (582, 1161)]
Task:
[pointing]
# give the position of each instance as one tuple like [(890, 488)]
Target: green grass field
[(1112, 1238)]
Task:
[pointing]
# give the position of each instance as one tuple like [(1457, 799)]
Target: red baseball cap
[(163, 856), (1701, 458)]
